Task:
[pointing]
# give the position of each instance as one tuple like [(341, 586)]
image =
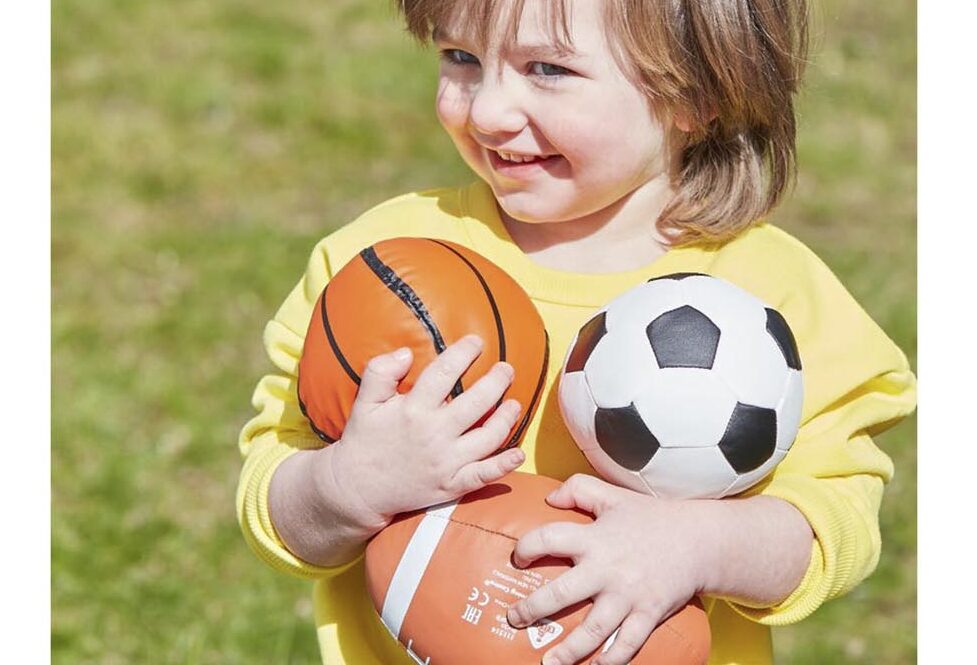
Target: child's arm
[(308, 512)]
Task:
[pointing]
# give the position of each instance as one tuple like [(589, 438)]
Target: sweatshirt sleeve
[(279, 429), (857, 383)]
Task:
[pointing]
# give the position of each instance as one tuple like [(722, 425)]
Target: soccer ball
[(685, 386)]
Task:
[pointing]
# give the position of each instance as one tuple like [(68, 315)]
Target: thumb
[(382, 374)]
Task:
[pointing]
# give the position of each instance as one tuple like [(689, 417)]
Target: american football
[(442, 579)]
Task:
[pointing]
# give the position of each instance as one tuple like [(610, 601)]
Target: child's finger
[(575, 585), (485, 440), (581, 490), (603, 618), (465, 410), (628, 640), (477, 475), (559, 539), (440, 377), (381, 376)]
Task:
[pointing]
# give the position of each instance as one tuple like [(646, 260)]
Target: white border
[(947, 325), (25, 177)]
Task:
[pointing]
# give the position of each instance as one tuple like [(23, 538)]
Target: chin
[(531, 210), (530, 216), (537, 216), (524, 217)]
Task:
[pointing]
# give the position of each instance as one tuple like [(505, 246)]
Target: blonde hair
[(732, 67)]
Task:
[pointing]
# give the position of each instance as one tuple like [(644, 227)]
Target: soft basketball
[(442, 580), (424, 294)]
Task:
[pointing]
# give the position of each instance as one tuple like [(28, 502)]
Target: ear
[(683, 120)]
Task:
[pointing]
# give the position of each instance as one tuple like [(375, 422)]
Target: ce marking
[(476, 593)]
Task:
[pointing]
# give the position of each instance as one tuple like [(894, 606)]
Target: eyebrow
[(439, 34), (547, 51), (540, 50)]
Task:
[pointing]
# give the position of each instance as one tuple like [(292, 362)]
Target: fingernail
[(476, 340), (507, 369), (403, 353)]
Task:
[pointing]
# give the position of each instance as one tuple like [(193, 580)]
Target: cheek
[(649, 131), (583, 135), (451, 105), (593, 148), (636, 143)]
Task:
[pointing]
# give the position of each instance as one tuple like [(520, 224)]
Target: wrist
[(331, 479), (758, 550), (716, 522)]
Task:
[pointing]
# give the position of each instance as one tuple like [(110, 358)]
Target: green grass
[(200, 148)]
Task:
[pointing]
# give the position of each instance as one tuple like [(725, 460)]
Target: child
[(613, 141)]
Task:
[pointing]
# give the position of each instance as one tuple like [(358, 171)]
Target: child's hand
[(404, 452), (638, 561)]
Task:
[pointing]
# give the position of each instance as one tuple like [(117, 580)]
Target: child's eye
[(548, 70), (456, 56)]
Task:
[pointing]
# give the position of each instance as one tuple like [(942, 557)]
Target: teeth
[(512, 157)]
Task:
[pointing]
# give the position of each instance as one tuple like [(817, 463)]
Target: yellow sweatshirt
[(856, 384)]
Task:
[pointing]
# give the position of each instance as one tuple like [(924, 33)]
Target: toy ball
[(442, 580), (685, 386), (424, 294)]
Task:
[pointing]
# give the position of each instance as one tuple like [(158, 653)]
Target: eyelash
[(452, 55), (455, 56)]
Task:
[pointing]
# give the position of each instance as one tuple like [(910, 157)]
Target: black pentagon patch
[(623, 435), (590, 334), (781, 333), (750, 437), (684, 337), (678, 276)]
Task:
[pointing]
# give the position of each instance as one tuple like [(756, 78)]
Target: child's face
[(593, 136)]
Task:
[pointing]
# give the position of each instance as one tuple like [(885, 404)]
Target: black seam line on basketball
[(411, 300), (488, 294), (318, 432), (322, 435), (539, 387), (332, 340), (305, 412)]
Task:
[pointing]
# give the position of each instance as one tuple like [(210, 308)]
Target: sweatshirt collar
[(490, 238)]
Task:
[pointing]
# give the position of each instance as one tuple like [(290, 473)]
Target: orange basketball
[(442, 579), (425, 294)]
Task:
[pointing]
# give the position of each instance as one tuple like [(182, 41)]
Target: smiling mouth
[(509, 161), (516, 158)]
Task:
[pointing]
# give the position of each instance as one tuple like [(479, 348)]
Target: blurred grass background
[(200, 148)]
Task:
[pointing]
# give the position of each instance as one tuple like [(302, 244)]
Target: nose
[(495, 107)]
